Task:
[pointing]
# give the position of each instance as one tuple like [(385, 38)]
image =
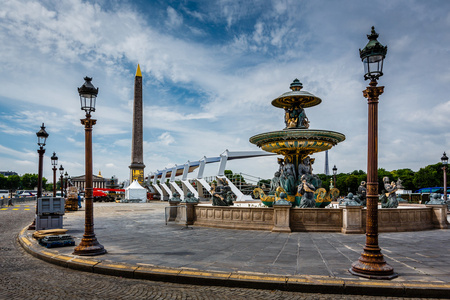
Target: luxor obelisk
[(137, 156)]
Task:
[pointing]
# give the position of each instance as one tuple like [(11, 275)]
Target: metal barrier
[(16, 200)]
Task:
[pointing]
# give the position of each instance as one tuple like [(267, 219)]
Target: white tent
[(135, 193)]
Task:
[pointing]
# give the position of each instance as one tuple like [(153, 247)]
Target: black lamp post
[(42, 136), (54, 159), (444, 160), (334, 175), (89, 244), (66, 179), (371, 263), (61, 172)]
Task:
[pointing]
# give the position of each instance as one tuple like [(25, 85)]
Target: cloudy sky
[(210, 71)]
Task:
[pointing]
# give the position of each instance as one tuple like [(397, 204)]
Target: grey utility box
[(49, 222), (51, 206)]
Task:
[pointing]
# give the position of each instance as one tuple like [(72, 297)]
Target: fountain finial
[(296, 85)]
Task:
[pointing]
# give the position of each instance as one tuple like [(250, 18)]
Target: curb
[(296, 283)]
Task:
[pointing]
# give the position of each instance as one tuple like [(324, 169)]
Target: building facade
[(98, 182)]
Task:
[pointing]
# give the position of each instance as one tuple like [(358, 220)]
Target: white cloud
[(208, 85), (10, 130), (174, 19), (165, 139)]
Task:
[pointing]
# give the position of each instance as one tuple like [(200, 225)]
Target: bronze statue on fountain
[(222, 194)]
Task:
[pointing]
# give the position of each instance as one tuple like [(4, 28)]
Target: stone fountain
[(296, 142)]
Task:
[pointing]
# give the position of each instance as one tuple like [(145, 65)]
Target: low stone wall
[(316, 219), (403, 219), (286, 219), (254, 218)]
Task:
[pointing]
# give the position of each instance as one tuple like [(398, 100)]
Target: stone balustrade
[(350, 219)]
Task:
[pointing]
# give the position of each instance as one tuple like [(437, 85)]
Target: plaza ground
[(140, 245)]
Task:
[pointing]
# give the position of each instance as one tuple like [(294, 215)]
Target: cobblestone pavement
[(25, 277)]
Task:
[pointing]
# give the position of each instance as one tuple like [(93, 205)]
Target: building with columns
[(98, 181)]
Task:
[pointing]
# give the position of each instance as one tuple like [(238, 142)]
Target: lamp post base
[(372, 265), (89, 246), (32, 225)]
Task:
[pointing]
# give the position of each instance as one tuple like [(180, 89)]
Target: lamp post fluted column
[(61, 179), (54, 181), (66, 181), (444, 160), (41, 152), (89, 245), (445, 183), (334, 175), (42, 136), (54, 160), (371, 264)]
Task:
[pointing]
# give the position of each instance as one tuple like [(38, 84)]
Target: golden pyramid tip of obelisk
[(138, 72)]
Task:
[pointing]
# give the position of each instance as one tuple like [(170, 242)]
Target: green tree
[(49, 187), (3, 182), (430, 176), (340, 183), (265, 182), (351, 183), (325, 180), (407, 177), (13, 182), (29, 181), (358, 172), (44, 183), (237, 179), (228, 174)]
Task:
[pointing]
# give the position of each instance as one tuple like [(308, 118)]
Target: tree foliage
[(430, 176), (29, 181), (235, 178), (25, 182), (13, 182)]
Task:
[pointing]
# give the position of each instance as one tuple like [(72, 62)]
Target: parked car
[(27, 194)]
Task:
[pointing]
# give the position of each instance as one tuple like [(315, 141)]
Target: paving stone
[(135, 234)]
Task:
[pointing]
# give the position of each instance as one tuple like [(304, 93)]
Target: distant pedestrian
[(79, 201), (10, 201)]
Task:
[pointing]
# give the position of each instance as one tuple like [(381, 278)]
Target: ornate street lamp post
[(444, 160), (89, 244), (334, 175), (61, 179), (371, 263), (54, 159), (42, 136)]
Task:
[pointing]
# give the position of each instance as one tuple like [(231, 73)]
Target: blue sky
[(210, 71)]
